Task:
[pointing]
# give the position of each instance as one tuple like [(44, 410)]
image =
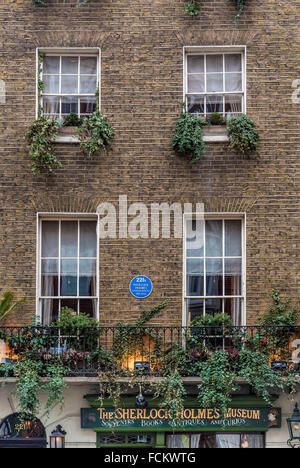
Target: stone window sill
[(215, 134), (67, 135)]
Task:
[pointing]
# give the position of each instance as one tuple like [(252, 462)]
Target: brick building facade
[(142, 50)]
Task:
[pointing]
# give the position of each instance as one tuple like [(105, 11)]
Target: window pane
[(233, 272), (195, 104), (196, 84), (88, 66), (88, 307), (51, 65), (88, 105), (229, 441), (51, 83), (233, 307), (214, 104), (214, 239), (195, 277), (50, 309), (69, 84), (196, 64), (233, 104), (69, 65), (88, 84), (71, 304), (68, 278), (195, 238), (178, 441), (51, 105), (233, 82), (233, 63), (194, 309), (87, 278), (214, 278), (213, 306), (69, 239), (50, 239), (49, 286), (253, 440), (214, 83), (214, 63), (88, 238), (233, 238), (68, 105)]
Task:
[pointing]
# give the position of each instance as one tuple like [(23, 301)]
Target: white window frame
[(68, 52), (64, 217), (215, 216), (216, 50)]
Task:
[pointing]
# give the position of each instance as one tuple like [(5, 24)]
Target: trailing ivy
[(218, 382), (240, 6), (188, 138), (95, 134), (39, 137), (243, 136), (191, 8), (172, 393), (255, 369)]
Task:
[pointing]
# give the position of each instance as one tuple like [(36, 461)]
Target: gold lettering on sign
[(121, 414)]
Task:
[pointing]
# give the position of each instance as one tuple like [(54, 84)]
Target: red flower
[(265, 340)]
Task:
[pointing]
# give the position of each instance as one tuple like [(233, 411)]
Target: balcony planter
[(215, 134)]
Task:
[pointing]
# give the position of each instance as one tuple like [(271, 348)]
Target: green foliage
[(191, 8), (216, 119), (240, 6), (70, 321), (218, 382), (72, 120), (255, 369), (95, 134), (146, 316), (55, 385), (212, 321), (279, 315), (243, 136), (28, 385), (130, 338), (39, 2), (172, 392), (188, 138), (41, 151), (81, 329), (6, 305)]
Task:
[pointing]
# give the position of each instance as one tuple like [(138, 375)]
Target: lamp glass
[(295, 427)]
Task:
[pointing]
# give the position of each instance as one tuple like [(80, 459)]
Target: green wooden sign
[(193, 418)]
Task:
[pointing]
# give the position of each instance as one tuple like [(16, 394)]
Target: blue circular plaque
[(141, 287)]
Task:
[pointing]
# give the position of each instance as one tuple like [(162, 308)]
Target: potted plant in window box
[(70, 125), (215, 130)]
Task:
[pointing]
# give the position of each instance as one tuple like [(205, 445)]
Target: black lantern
[(294, 427), (57, 438), (141, 402)]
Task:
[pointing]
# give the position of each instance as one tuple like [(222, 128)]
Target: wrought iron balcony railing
[(151, 350)]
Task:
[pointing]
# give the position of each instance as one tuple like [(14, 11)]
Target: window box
[(67, 135), (215, 134)]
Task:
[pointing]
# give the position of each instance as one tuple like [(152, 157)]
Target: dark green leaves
[(95, 134), (188, 138), (40, 136), (243, 136)]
